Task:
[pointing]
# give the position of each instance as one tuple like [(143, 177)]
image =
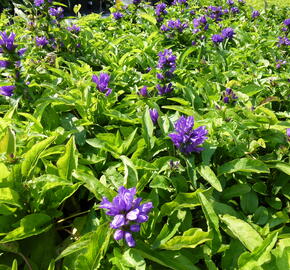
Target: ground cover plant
[(155, 138)]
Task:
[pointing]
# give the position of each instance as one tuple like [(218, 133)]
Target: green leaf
[(260, 255), (148, 17), (95, 186), (236, 191), (31, 157), (30, 225), (8, 143), (69, 161), (207, 174), (251, 89), (182, 200), (281, 166), (147, 129), (77, 8), (4, 173), (169, 259), (243, 165), (101, 144), (131, 174), (249, 202), (243, 231), (190, 239), (212, 221), (9, 196)]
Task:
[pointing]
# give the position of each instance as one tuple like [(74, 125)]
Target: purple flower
[(217, 38), (4, 63), (118, 15), (242, 2), (7, 90), (127, 213), (22, 51), (280, 63), (136, 2), (185, 138), (283, 41), (255, 14), (287, 22), (215, 12), (102, 83), (288, 133), (154, 115), (230, 2), (7, 42), (167, 61), (235, 10), (160, 9), (164, 89), (74, 29), (229, 96), (38, 3), (56, 12), (41, 41), (228, 33), (143, 91), (164, 28)]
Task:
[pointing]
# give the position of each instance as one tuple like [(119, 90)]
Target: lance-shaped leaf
[(69, 161), (31, 157)]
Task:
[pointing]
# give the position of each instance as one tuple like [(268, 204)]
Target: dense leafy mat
[(194, 114)]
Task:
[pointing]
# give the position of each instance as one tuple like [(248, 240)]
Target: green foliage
[(65, 145)]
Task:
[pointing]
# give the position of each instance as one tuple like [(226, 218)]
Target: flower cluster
[(7, 42), (226, 33), (283, 41), (255, 14), (102, 83), (143, 91), (200, 24), (229, 96), (288, 134), (39, 3), (160, 11), (56, 12), (186, 139), (41, 41), (280, 63), (11, 60), (74, 29), (128, 213), (154, 115), (7, 90), (215, 13), (167, 65), (174, 25), (118, 15)]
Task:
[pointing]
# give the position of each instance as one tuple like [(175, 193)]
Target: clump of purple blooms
[(215, 13), (235, 10), (230, 2), (166, 62), (280, 63), (143, 91), (41, 41), (56, 12), (74, 29), (7, 90), (39, 3), (174, 25), (7, 41), (255, 14), (154, 115), (167, 65), (136, 2), (160, 11), (228, 33), (287, 22), (200, 24), (128, 214), (118, 15), (283, 41), (187, 139), (229, 97), (217, 38), (102, 83), (288, 134)]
